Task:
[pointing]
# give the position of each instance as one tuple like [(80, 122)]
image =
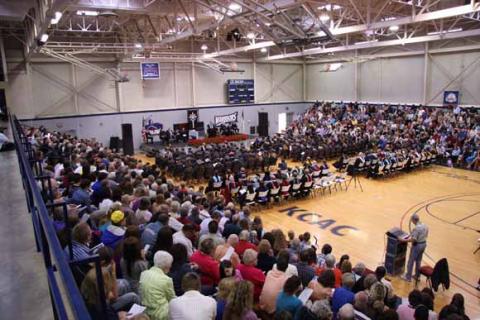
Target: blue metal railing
[(46, 239)]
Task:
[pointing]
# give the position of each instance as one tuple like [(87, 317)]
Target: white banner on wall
[(232, 117)]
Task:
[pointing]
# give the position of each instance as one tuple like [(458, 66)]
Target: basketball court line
[(467, 217)]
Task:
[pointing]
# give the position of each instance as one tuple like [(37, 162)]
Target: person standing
[(418, 238)]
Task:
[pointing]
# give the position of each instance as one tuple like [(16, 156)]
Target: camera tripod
[(356, 180)]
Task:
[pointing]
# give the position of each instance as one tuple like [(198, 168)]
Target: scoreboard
[(240, 91)]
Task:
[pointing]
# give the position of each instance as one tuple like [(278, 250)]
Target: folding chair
[(440, 271), (317, 185), (250, 198), (295, 189), (307, 187), (262, 197), (341, 178), (285, 192), (275, 193)]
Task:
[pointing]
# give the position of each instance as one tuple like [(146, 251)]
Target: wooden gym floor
[(447, 200)]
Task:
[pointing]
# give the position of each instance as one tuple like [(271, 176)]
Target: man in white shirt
[(183, 237), (204, 225), (192, 305)]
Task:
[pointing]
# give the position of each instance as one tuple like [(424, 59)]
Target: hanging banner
[(150, 70), (451, 97), (232, 117)]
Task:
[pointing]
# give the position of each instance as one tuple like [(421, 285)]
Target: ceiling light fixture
[(334, 66), (89, 13), (330, 7), (324, 18), (204, 47), (444, 32), (44, 38), (234, 7), (394, 28), (138, 45), (251, 35), (263, 50), (56, 19)]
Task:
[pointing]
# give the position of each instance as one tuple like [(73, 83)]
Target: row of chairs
[(294, 191), (375, 169), (389, 169)]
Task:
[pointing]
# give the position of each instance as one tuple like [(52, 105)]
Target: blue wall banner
[(150, 70), (451, 97)]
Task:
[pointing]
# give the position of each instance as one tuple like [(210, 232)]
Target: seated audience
[(225, 286), (240, 303), (133, 262), (208, 267), (273, 285), (287, 299), (192, 304), (156, 288), (344, 294), (251, 273), (266, 260)]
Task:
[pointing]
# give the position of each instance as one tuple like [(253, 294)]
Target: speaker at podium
[(396, 252)]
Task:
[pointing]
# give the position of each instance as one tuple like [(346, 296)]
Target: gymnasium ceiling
[(219, 29)]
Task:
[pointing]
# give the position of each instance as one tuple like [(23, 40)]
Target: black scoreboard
[(240, 91)]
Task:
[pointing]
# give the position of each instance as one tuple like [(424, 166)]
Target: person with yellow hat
[(115, 232)]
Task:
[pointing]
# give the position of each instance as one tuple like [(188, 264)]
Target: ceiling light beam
[(429, 16), (388, 43), (258, 45)]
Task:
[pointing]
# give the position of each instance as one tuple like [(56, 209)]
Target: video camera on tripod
[(354, 170)]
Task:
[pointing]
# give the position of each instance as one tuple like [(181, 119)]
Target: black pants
[(7, 146)]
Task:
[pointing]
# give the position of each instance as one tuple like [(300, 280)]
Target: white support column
[(175, 84), (254, 71), (118, 92), (426, 79), (73, 72), (356, 71), (118, 99), (194, 103), (272, 85), (304, 81)]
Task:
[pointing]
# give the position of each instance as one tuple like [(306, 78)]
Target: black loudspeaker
[(127, 138), (252, 130), (115, 143)]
